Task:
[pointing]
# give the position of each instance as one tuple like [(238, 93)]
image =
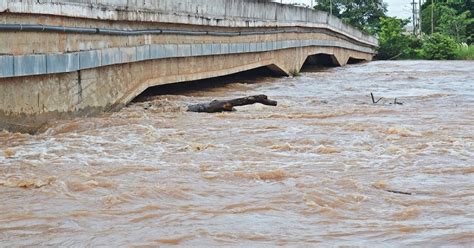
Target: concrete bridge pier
[(293, 60)]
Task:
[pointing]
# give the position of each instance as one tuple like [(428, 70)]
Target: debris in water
[(398, 192), (373, 99), (227, 106), (382, 185), (395, 102)]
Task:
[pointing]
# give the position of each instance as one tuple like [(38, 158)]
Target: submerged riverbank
[(321, 168)]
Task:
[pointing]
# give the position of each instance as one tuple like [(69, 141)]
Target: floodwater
[(326, 167)]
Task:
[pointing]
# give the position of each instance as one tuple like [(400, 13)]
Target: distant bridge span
[(66, 58)]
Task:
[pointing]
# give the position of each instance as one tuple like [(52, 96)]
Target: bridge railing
[(246, 10)]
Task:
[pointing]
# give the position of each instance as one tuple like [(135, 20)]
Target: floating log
[(228, 105)]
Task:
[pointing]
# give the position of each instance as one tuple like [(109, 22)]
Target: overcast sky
[(398, 8)]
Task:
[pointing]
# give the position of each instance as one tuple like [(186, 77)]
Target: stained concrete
[(28, 65), (39, 99), (219, 13), (45, 76)]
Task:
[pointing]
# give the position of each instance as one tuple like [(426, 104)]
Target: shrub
[(464, 52), (438, 47), (414, 46)]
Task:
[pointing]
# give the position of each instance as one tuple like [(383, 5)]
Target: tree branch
[(227, 106)]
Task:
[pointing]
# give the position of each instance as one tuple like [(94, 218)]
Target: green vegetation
[(438, 47), (464, 52), (450, 17), (447, 27), (295, 73), (363, 14), (393, 43)]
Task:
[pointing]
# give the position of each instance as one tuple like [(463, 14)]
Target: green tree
[(453, 24), (450, 17), (414, 48), (363, 14), (438, 47), (426, 17), (392, 42)]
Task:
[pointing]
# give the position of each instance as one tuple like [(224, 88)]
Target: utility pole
[(432, 17), (414, 16), (420, 19), (330, 7)]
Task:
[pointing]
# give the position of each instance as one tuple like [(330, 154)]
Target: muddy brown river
[(324, 168)]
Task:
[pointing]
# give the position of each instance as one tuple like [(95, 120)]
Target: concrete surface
[(28, 65), (50, 75)]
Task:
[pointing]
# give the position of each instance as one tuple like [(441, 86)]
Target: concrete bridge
[(67, 58)]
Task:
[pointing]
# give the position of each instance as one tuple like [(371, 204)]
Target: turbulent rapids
[(324, 167)]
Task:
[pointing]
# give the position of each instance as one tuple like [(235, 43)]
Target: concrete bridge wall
[(223, 13), (58, 72)]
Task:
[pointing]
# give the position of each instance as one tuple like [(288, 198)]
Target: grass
[(465, 52)]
